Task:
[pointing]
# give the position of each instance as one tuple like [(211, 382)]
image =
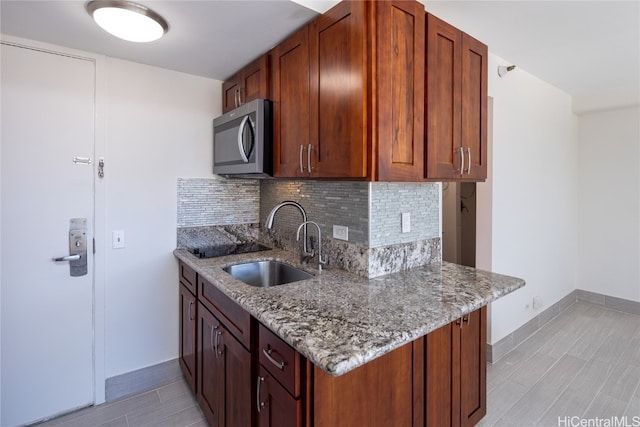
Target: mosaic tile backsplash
[(388, 201), (372, 211), (217, 201), (327, 203)]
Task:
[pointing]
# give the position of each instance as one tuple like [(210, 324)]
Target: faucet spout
[(276, 208), (321, 261)]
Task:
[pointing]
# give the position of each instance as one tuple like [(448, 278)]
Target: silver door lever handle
[(68, 258)]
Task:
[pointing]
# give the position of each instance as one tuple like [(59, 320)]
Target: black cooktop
[(228, 249)]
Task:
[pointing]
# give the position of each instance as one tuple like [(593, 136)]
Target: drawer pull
[(267, 352)]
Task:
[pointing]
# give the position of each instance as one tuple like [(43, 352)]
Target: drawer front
[(282, 361), (235, 318), (188, 277)]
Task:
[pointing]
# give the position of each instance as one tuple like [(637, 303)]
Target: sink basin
[(266, 273)]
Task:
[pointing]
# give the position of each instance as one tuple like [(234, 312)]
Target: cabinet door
[(255, 80), (455, 372), (400, 91), (474, 107), (290, 93), (277, 408), (473, 367), (443, 108), (440, 388), (210, 368), (236, 381), (377, 394), (338, 67), (188, 336), (231, 93)]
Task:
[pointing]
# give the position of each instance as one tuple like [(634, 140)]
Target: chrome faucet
[(305, 255), (321, 261)]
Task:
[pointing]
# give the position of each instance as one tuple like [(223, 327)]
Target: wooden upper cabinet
[(400, 91), (290, 96), (338, 71), (252, 82), (456, 104), (443, 95), (365, 94), (474, 107)]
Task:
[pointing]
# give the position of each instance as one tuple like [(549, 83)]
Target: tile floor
[(585, 363), (171, 405), (581, 367)]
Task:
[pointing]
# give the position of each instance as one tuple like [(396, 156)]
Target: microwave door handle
[(243, 154)]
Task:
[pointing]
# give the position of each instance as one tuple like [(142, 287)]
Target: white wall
[(609, 203), (533, 192), (158, 128)]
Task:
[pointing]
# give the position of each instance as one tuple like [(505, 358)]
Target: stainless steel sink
[(266, 273)]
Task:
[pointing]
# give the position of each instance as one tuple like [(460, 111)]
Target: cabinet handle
[(461, 160), (190, 316), (464, 319), (309, 158), (218, 336), (259, 405), (469, 161), (213, 344), (301, 155), (236, 98), (267, 352), (240, 92)]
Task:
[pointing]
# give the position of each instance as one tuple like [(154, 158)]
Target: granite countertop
[(340, 321)]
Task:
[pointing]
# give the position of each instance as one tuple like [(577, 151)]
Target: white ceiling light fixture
[(503, 69), (127, 20)]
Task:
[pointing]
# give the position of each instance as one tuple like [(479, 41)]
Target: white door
[(47, 119)]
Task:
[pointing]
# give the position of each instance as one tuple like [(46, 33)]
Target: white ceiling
[(589, 49)]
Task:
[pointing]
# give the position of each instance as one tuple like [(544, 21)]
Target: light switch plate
[(117, 239), (406, 222)]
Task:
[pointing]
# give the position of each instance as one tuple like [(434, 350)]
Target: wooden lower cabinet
[(277, 408), (246, 376), (378, 394), (224, 374), (188, 306), (455, 372)]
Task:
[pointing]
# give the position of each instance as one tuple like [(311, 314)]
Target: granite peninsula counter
[(340, 321)]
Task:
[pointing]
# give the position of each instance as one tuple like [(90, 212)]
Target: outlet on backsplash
[(341, 232)]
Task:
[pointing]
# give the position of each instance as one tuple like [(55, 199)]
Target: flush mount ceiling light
[(127, 20)]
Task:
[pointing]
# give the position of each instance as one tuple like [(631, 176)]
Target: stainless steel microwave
[(243, 141)]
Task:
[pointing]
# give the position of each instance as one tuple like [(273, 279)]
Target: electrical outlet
[(537, 302), (406, 222), (117, 239), (341, 232)]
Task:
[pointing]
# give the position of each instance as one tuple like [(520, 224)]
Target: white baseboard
[(142, 379)]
